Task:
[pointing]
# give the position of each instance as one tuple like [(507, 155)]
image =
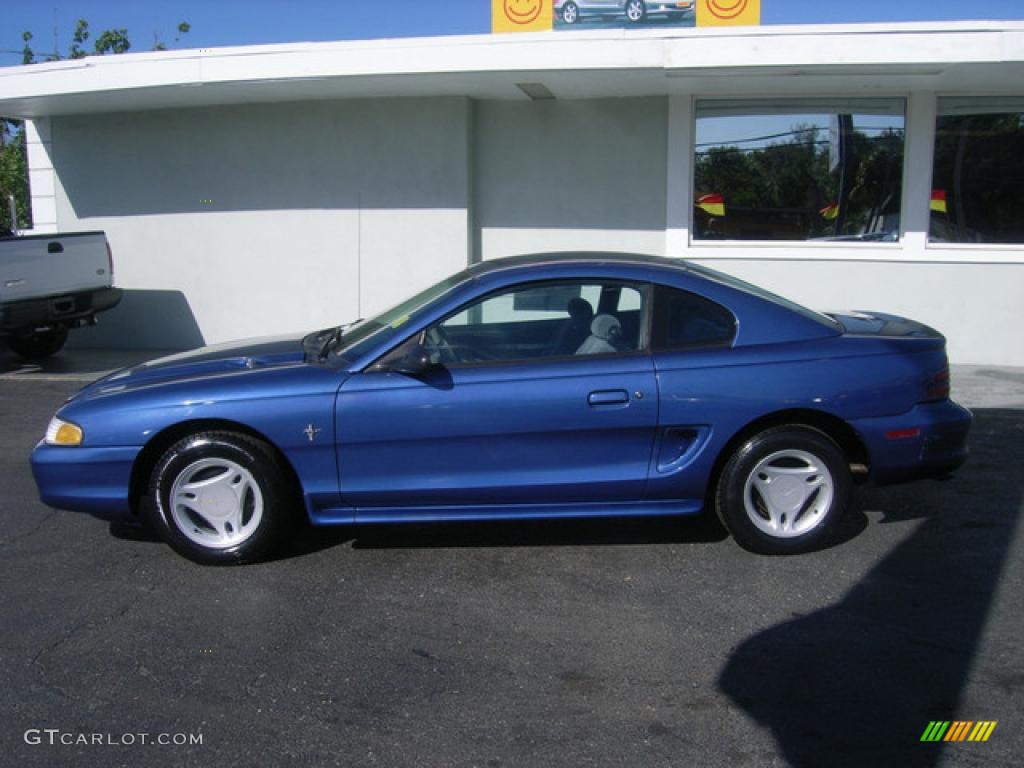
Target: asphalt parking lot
[(604, 643)]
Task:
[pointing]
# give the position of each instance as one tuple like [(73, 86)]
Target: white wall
[(570, 175), (265, 218)]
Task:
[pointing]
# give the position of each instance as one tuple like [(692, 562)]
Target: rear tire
[(784, 491), (221, 498), (38, 344)]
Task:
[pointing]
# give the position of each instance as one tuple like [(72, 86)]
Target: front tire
[(221, 498), (636, 11), (784, 491), (38, 344)]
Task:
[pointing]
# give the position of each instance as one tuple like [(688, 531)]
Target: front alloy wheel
[(636, 11), (570, 13), (221, 498), (784, 491)]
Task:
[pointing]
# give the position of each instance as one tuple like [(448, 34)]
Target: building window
[(800, 169), (978, 171)]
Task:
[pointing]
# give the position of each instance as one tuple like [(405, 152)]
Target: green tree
[(14, 173), (27, 56), (81, 35), (113, 41)]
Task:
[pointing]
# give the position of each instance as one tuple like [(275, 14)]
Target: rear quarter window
[(684, 320)]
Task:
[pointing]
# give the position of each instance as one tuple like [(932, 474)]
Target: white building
[(265, 189)]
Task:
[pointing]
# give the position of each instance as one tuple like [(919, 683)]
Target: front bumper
[(929, 440), (84, 479)]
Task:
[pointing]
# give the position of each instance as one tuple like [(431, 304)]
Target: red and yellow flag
[(712, 203), (830, 211), (938, 203), (728, 13)]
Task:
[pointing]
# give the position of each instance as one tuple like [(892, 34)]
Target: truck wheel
[(38, 344)]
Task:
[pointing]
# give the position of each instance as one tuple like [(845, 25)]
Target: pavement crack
[(33, 530), (46, 650)]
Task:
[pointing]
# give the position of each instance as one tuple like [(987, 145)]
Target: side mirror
[(413, 360)]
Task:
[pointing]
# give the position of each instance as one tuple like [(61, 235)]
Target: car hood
[(206, 362)]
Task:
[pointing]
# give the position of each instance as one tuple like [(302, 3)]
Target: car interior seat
[(575, 329), (605, 330)]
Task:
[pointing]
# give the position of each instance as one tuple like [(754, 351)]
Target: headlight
[(61, 432)]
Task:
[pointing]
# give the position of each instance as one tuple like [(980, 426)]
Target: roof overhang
[(962, 58)]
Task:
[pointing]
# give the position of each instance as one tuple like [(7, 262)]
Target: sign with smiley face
[(521, 15), (728, 13)]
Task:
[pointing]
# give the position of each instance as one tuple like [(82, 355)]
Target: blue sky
[(218, 23)]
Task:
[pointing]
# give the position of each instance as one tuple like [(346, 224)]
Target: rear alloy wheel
[(38, 344), (636, 11), (221, 498), (570, 13), (784, 491)]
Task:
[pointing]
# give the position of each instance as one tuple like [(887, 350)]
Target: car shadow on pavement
[(858, 682), (541, 533), (307, 540)]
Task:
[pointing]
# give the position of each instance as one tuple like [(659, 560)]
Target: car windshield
[(361, 334)]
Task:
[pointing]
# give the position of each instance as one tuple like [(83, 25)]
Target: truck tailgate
[(36, 266)]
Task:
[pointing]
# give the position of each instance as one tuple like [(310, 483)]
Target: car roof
[(594, 258)]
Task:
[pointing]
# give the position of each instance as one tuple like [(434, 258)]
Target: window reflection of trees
[(805, 183), (978, 176)]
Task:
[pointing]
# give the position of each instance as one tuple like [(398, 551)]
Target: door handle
[(608, 397)]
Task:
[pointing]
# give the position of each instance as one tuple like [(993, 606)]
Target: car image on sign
[(544, 386), (632, 11)]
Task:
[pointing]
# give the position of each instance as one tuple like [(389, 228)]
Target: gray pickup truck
[(50, 284)]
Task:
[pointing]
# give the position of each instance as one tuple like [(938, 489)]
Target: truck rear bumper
[(68, 310)]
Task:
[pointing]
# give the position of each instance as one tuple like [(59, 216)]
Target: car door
[(705, 396), (503, 419)]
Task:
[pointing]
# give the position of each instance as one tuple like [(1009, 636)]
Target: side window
[(684, 320), (536, 321)]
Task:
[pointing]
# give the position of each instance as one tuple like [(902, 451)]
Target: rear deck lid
[(861, 323)]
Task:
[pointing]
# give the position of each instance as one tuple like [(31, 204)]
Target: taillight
[(936, 386)]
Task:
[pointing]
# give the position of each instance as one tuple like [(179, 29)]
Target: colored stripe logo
[(959, 730)]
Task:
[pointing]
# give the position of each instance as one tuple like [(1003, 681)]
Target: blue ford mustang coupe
[(562, 385)]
